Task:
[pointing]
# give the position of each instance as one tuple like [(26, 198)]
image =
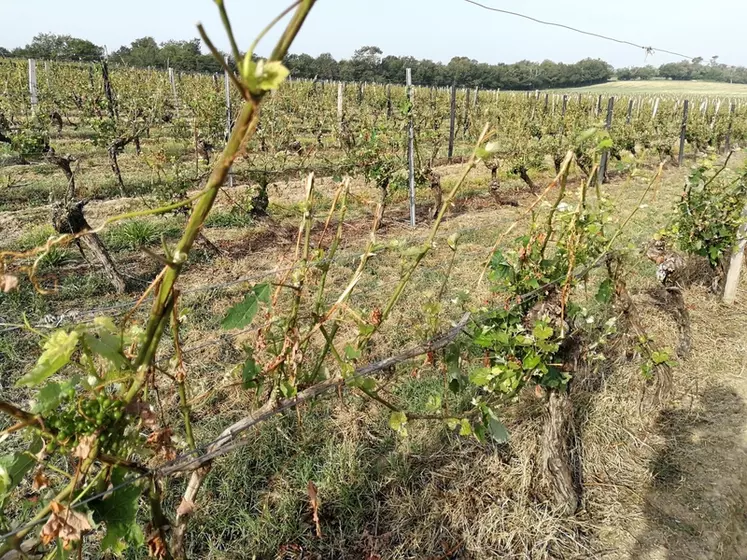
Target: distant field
[(665, 87)]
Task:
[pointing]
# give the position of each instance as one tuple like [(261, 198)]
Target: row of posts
[(732, 279), (33, 90)]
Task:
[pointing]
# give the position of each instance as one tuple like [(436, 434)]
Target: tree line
[(694, 69), (368, 64)]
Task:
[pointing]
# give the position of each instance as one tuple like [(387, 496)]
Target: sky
[(433, 29)]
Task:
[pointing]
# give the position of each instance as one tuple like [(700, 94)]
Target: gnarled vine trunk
[(557, 466), (63, 162), (379, 217), (260, 201), (115, 167), (524, 174), (434, 181), (70, 219)]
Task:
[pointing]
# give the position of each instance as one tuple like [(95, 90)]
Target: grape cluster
[(83, 417)]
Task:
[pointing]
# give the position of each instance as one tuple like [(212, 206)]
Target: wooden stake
[(32, 85), (735, 266), (410, 146), (606, 154), (452, 122), (685, 110)]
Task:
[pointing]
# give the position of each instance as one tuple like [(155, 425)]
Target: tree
[(142, 52), (4, 53), (180, 55), (365, 63), (326, 67), (49, 46)]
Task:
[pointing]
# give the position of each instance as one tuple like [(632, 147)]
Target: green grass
[(664, 87), (233, 218), (136, 234)]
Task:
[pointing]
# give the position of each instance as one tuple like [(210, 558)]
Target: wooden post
[(340, 94), (547, 101), (606, 153), (565, 106), (229, 119), (410, 146), (728, 130), (599, 105), (704, 107), (452, 122), (465, 123), (685, 110), (360, 93), (656, 109), (715, 113), (477, 91), (108, 89), (630, 111), (173, 91), (32, 85), (388, 101), (735, 266), (227, 88)]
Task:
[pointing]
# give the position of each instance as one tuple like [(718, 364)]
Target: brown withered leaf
[(84, 447), (430, 359), (314, 501), (145, 412), (8, 282), (160, 442), (539, 392), (156, 546), (65, 524), (186, 507), (376, 316), (40, 480)]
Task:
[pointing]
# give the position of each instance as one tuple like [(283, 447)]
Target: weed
[(136, 234)]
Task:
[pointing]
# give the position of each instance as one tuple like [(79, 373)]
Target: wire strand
[(649, 49)]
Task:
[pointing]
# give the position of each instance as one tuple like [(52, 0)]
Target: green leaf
[(250, 371), (604, 293), (397, 422), (453, 240), (242, 314), (287, 389), (659, 357), (368, 383), (118, 511), (351, 352), (49, 396), (15, 466), (496, 429), (262, 75), (434, 403), (108, 347), (542, 331), (465, 428), (481, 377), (531, 361), (57, 352)]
